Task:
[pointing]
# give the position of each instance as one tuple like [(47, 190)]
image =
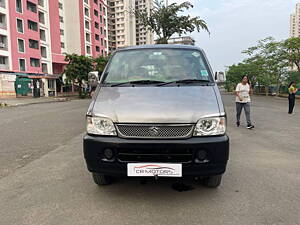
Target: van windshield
[(160, 65)]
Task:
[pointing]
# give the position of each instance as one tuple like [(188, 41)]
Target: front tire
[(212, 181), (100, 179)]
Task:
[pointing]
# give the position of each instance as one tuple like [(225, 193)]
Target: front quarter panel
[(219, 100)]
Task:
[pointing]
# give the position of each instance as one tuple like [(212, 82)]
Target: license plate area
[(154, 169)]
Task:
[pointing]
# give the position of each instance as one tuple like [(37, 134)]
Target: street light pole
[(167, 3)]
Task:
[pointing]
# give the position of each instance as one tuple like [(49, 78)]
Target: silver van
[(157, 112)]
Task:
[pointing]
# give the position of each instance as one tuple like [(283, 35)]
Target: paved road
[(260, 187), (28, 132)]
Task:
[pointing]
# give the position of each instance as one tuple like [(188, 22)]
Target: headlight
[(100, 126), (210, 126)]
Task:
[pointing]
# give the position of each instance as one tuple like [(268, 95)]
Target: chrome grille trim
[(155, 131)]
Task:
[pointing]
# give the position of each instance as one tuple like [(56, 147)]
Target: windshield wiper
[(138, 82), (185, 81)]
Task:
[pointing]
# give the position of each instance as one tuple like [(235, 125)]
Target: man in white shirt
[(243, 91)]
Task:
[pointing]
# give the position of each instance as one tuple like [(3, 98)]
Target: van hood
[(183, 104)]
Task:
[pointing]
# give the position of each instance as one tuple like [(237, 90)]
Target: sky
[(236, 25)]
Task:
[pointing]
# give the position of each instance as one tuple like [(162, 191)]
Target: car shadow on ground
[(161, 189), (176, 184)]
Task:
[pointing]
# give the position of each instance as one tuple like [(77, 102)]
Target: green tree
[(100, 63), (293, 76), (292, 51), (164, 20), (77, 69), (236, 72), (269, 57)]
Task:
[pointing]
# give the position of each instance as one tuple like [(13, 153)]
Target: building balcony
[(3, 26), (182, 40), (3, 46), (110, 23), (3, 42), (111, 12), (4, 65), (2, 4)]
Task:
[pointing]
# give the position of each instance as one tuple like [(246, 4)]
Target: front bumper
[(170, 151)]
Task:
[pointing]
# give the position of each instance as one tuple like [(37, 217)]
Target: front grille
[(155, 155), (155, 131)]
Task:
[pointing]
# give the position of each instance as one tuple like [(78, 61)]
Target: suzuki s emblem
[(154, 131)]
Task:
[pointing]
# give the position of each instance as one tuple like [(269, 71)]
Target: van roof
[(161, 46)]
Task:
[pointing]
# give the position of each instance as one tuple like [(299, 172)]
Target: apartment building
[(124, 29), (86, 27), (35, 34), (5, 51), (187, 40), (30, 41), (143, 36), (39, 32), (295, 22)]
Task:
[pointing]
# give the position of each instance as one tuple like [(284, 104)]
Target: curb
[(4, 104)]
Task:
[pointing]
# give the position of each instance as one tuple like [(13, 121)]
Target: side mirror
[(220, 77), (93, 79)]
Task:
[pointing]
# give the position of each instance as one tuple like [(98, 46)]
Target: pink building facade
[(99, 28), (93, 24), (34, 33), (24, 36), (56, 33)]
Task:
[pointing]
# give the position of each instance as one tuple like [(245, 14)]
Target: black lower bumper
[(167, 151)]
